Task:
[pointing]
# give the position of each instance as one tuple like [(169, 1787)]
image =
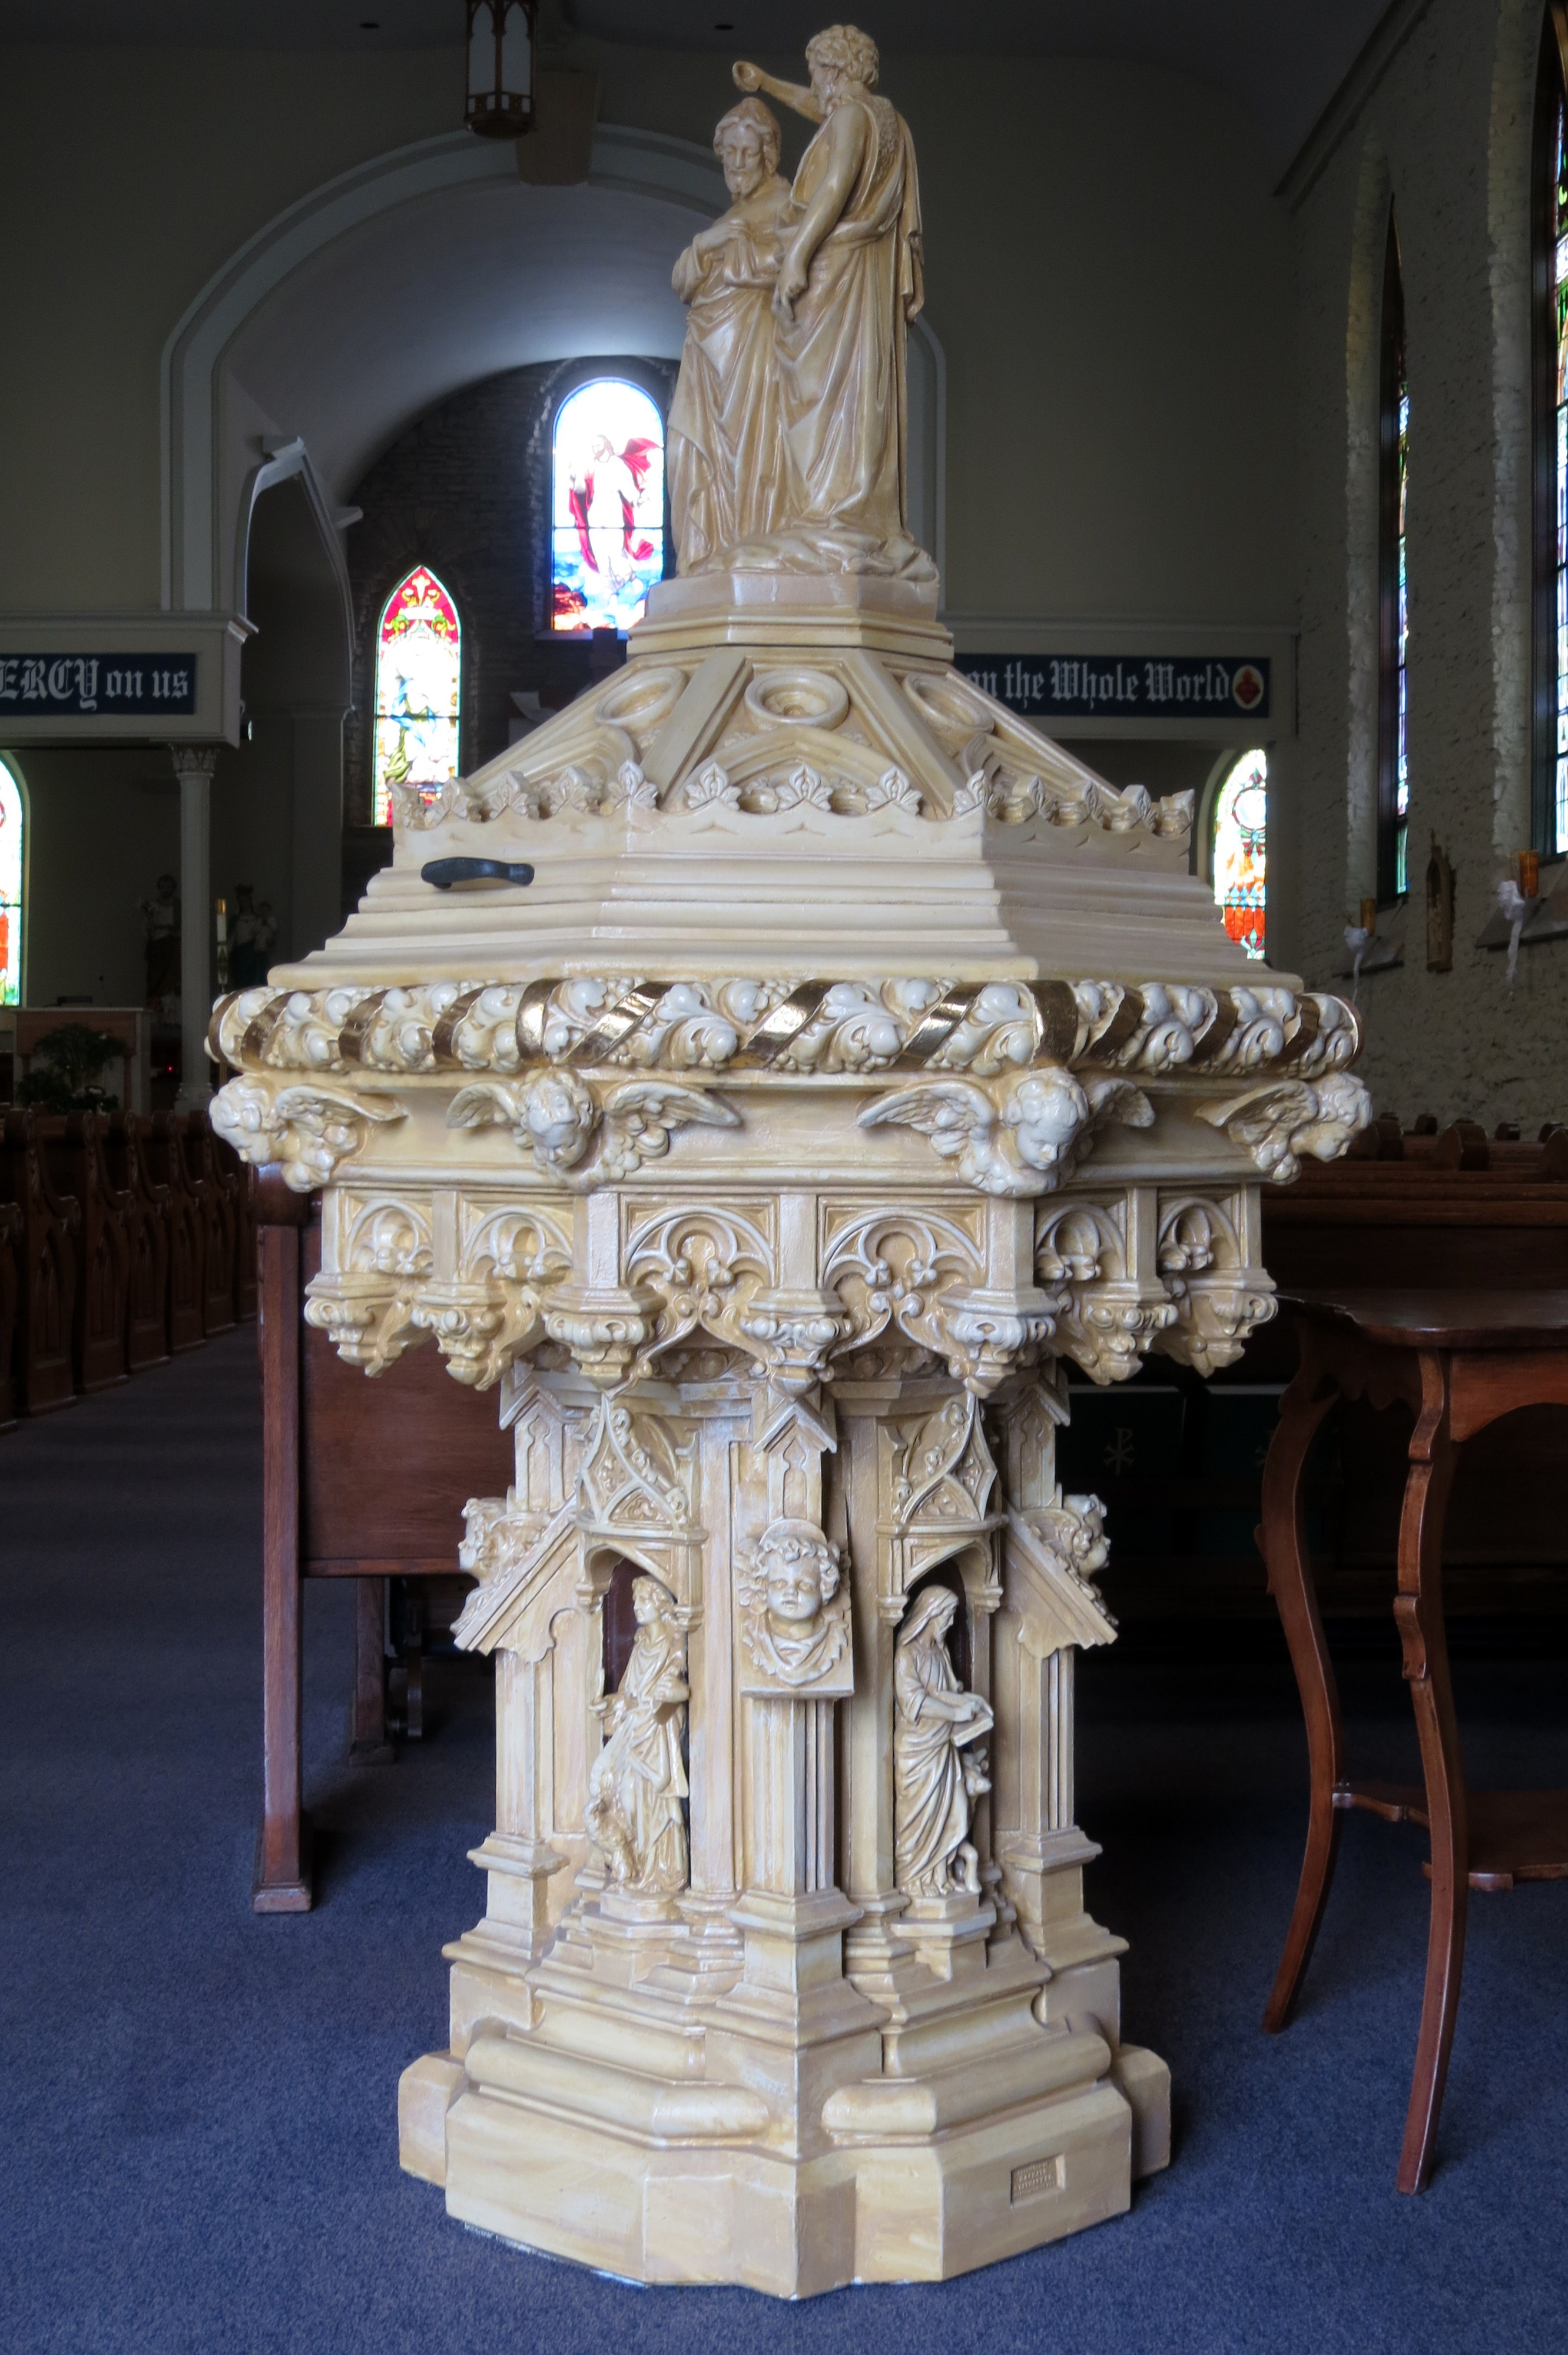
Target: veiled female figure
[(637, 1782), (727, 476), (933, 1782), (850, 282)]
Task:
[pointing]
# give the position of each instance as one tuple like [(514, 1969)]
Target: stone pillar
[(194, 765)]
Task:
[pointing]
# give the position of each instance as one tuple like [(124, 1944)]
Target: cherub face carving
[(562, 1118), (798, 1570), (795, 1623), (1045, 1112)]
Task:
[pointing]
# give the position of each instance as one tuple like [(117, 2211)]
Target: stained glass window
[(418, 689), (606, 506), (1240, 850), (11, 872)]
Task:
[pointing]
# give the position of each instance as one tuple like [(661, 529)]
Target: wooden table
[(1458, 1359)]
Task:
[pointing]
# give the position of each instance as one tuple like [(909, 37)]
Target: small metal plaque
[(1041, 2175)]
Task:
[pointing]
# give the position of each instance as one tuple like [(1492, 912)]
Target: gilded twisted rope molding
[(785, 1027)]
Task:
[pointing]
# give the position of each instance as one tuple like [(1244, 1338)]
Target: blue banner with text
[(1124, 686), (74, 686)]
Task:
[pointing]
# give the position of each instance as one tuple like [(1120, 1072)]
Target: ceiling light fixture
[(500, 67)]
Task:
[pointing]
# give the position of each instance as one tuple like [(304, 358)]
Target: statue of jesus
[(726, 484), (848, 283)]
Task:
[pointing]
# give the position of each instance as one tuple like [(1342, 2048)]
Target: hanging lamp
[(500, 67)]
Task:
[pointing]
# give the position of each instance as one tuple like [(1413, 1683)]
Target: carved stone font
[(857, 1063)]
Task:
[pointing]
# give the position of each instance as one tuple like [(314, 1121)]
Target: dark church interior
[(355, 430)]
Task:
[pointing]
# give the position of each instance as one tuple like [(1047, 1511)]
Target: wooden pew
[(1177, 1462), (46, 1287), (162, 1144), (236, 1179), (218, 1208), (1456, 1207), (10, 1283), (72, 1144), (364, 1479), (147, 1220)]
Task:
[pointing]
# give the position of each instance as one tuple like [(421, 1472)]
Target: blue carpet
[(198, 2149)]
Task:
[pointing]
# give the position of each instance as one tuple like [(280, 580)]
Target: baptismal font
[(855, 1060)]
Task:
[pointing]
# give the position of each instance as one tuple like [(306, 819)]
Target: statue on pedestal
[(161, 931), (844, 258), (637, 1781), (937, 1775)]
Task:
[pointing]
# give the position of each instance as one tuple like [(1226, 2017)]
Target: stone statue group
[(799, 1634), (787, 436)]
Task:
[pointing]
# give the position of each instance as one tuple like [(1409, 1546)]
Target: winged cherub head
[(562, 1117)]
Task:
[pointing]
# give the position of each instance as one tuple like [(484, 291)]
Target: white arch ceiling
[(356, 310), (371, 299)]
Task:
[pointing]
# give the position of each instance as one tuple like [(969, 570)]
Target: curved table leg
[(1282, 1539), (1418, 1609)]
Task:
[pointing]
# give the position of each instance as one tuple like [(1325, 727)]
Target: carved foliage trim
[(1217, 1297), (914, 1023)]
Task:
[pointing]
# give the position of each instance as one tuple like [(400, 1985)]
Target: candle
[(1368, 916), (1529, 873), (221, 912)]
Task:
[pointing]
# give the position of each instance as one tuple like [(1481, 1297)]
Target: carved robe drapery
[(933, 1782), (638, 1780), (840, 360), (726, 483)]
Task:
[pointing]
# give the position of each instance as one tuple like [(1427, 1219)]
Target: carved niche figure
[(795, 1624), (848, 283), (725, 482), (638, 1780), (937, 1773)]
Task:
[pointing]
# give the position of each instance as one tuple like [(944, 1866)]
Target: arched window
[(13, 875), (606, 506), (1548, 341), (1393, 605), (418, 689), (1240, 850)]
